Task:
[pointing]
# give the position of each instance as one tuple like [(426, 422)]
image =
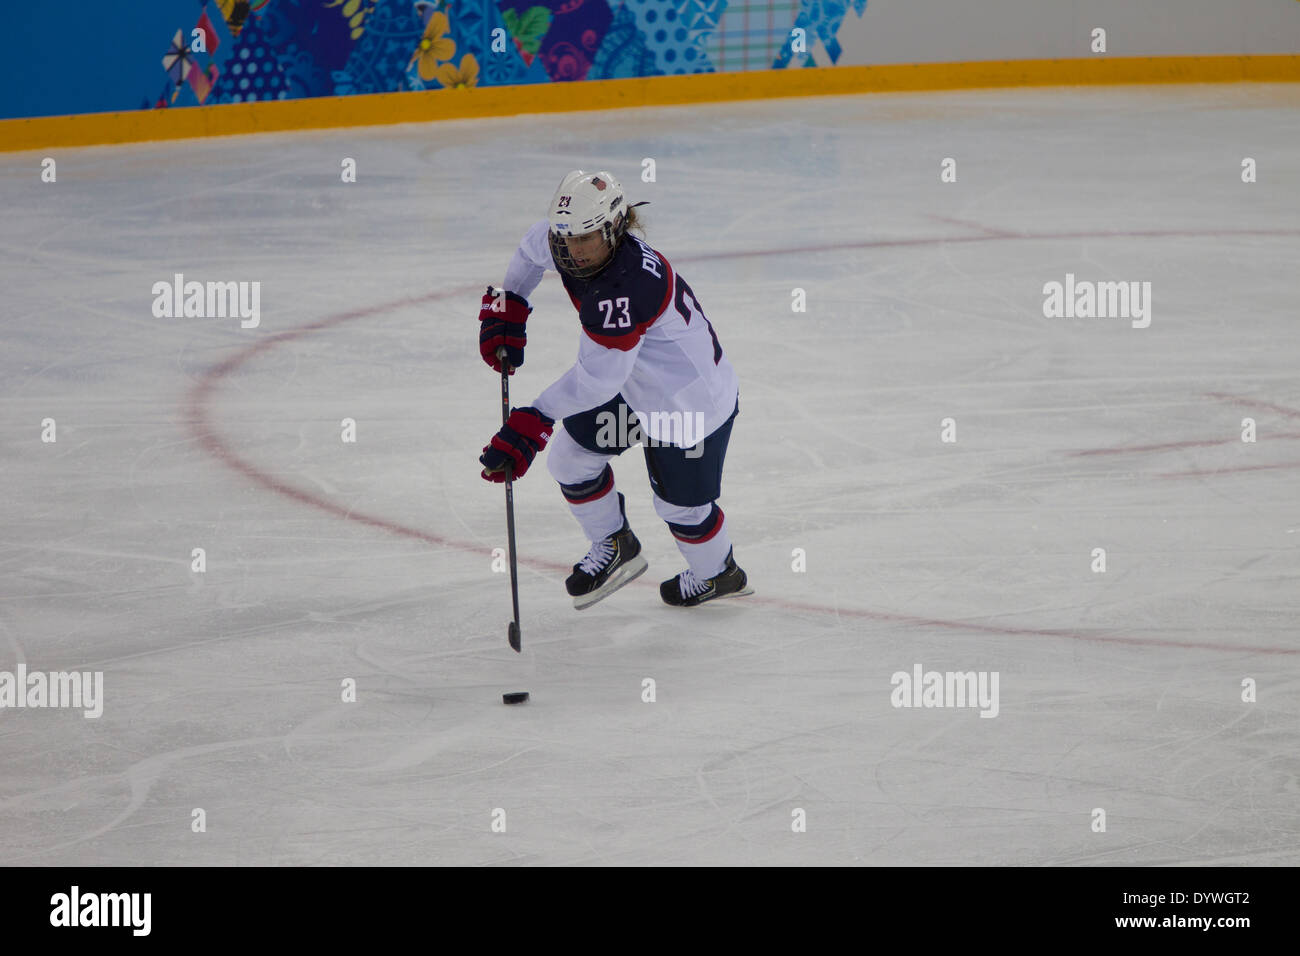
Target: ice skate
[(687, 590), (611, 563)]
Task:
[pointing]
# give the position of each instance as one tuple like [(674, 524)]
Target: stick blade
[(512, 634)]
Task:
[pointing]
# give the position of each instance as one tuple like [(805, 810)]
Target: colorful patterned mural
[(284, 49), (186, 53)]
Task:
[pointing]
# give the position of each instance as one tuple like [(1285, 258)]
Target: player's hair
[(634, 223)]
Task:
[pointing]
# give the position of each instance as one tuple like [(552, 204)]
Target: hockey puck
[(518, 697)]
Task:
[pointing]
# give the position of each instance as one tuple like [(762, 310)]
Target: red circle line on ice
[(205, 433)]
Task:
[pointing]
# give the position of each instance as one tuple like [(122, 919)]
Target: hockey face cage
[(612, 233)]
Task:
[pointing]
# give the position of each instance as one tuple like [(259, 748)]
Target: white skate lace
[(597, 557), (690, 585)]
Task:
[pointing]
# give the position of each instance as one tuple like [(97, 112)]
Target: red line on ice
[(1205, 443), (196, 416), (994, 235), (1242, 400), (196, 408)]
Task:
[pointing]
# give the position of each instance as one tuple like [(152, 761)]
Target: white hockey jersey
[(644, 336)]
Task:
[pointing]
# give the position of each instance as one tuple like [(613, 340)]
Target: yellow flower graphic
[(453, 77), (434, 46)]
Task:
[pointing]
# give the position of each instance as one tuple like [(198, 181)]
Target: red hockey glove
[(514, 447), (501, 325)]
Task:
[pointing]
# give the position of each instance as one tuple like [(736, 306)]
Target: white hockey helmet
[(587, 203)]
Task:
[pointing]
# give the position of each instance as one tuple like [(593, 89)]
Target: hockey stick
[(512, 633)]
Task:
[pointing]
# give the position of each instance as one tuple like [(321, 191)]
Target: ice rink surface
[(371, 561)]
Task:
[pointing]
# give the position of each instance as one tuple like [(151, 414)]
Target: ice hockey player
[(646, 346)]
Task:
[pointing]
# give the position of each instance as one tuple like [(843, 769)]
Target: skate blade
[(624, 575), (713, 600)]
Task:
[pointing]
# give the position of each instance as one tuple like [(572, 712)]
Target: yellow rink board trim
[(375, 109)]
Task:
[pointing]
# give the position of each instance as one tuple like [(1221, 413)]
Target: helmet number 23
[(623, 320)]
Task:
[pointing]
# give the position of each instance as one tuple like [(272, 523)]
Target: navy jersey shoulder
[(625, 297)]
